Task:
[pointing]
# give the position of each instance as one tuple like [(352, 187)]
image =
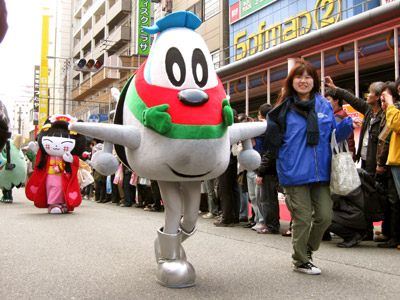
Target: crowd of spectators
[(124, 188)]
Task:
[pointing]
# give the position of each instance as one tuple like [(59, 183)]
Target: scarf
[(312, 119), (276, 120)]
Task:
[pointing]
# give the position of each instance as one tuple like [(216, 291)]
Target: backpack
[(374, 197)]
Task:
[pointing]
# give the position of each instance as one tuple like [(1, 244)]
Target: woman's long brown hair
[(300, 66)]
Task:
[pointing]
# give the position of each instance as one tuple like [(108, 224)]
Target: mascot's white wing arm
[(248, 157), (104, 161)]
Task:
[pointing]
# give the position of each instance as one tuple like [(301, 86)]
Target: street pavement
[(103, 251)]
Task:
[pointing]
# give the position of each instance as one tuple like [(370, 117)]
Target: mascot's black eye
[(175, 66), (199, 68)]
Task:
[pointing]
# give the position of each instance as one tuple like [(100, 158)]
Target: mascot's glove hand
[(67, 156), (250, 159), (157, 118), (227, 113)]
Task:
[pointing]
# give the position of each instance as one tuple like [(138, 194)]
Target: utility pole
[(65, 69), (19, 120)]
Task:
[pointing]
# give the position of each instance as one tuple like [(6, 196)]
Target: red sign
[(234, 12)]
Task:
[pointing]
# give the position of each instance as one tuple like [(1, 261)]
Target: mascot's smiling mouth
[(188, 176)]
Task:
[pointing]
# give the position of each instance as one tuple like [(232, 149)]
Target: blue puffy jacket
[(299, 163)]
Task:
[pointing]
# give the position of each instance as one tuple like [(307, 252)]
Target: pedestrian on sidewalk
[(298, 137)]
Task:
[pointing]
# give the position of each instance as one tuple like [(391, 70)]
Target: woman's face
[(384, 104), (303, 85)]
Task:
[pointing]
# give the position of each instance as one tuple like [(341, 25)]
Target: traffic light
[(90, 65)]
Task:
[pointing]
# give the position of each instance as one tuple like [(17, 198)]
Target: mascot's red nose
[(193, 97)]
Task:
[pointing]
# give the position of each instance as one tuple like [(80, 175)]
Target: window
[(197, 9), (215, 59), (211, 8)]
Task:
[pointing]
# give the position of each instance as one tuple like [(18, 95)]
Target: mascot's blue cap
[(176, 19)]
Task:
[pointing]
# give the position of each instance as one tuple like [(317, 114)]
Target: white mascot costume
[(174, 124)]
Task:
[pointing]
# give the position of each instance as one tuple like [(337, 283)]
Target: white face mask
[(57, 146)]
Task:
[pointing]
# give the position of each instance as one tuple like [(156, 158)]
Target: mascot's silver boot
[(185, 236), (173, 270)]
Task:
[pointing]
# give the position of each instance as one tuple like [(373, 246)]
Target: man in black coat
[(4, 133)]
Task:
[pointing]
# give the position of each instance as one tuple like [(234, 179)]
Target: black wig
[(60, 129)]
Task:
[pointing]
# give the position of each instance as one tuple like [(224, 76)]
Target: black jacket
[(349, 210), (267, 167), (376, 127)]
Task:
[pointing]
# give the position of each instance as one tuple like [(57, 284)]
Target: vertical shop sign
[(44, 73), (143, 41), (36, 92)]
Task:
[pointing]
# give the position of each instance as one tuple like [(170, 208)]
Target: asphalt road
[(103, 251)]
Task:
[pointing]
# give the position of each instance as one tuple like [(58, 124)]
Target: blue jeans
[(396, 177), (252, 186), (244, 204), (268, 203), (212, 207)]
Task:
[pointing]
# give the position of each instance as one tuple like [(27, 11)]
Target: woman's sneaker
[(309, 255), (307, 268)]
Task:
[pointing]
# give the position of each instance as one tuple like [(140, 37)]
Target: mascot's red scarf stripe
[(209, 113), (35, 189)]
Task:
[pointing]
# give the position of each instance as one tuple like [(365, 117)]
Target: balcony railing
[(121, 7)]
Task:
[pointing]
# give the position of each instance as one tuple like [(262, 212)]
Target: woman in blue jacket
[(298, 136)]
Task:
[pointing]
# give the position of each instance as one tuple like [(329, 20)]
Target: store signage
[(44, 73), (143, 21), (243, 8), (36, 93), (325, 12), (383, 2)]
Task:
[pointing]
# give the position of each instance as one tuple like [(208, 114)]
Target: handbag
[(118, 175), (85, 178), (344, 175), (133, 180)]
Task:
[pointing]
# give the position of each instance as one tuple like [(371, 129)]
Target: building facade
[(110, 31), (252, 44), (107, 31), (354, 41), (60, 64)]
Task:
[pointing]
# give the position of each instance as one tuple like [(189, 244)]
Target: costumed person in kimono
[(54, 183)]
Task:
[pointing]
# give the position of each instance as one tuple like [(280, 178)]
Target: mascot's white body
[(173, 125)]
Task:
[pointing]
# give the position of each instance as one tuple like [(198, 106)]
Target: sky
[(20, 50)]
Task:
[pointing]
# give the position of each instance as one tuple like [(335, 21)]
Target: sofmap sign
[(257, 25)]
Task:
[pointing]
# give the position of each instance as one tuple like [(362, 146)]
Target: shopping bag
[(118, 175), (108, 185), (344, 175), (133, 180), (85, 178)]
